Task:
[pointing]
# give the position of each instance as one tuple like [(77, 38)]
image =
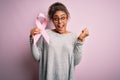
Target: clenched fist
[(34, 31), (83, 35)]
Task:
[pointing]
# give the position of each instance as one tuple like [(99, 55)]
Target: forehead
[(59, 14)]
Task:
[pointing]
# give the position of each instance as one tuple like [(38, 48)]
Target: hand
[(34, 31), (83, 35)]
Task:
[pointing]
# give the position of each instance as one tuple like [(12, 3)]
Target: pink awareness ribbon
[(42, 27)]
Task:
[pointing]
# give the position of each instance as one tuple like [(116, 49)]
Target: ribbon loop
[(42, 27)]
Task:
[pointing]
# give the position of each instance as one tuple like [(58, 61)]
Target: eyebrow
[(60, 15)]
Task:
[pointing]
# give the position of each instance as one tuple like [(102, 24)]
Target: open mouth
[(60, 27)]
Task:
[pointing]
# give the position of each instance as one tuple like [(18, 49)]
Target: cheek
[(53, 22), (65, 22)]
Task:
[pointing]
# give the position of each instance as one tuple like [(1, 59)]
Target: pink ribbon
[(42, 27)]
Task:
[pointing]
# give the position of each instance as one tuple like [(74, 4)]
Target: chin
[(61, 29), (61, 32)]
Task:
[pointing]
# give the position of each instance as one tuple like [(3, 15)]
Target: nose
[(59, 21)]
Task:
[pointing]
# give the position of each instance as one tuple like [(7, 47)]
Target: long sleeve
[(77, 52), (36, 49)]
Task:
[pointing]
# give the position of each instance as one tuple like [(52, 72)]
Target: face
[(60, 21)]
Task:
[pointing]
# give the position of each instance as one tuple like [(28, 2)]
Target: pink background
[(101, 50)]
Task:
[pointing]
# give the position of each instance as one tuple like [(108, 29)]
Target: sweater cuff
[(31, 39), (78, 42)]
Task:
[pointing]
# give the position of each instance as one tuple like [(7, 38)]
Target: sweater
[(57, 60)]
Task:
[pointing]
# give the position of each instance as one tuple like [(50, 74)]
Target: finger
[(36, 32), (87, 33), (37, 29), (84, 30)]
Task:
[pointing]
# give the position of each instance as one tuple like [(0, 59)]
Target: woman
[(58, 58)]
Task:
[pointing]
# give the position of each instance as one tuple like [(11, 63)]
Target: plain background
[(101, 50)]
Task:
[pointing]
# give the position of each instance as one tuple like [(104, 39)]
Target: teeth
[(60, 26)]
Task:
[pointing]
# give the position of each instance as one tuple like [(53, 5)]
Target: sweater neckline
[(60, 34)]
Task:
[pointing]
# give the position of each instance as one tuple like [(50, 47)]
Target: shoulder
[(74, 35), (48, 31)]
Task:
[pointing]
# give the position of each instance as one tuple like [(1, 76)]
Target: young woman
[(58, 58)]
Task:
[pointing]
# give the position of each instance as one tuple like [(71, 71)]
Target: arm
[(78, 46), (77, 52), (36, 49)]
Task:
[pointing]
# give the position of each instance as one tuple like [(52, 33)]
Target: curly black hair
[(57, 6)]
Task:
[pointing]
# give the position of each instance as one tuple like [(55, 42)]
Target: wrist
[(81, 38), (31, 36)]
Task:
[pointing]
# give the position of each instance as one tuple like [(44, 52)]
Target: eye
[(56, 19), (63, 18)]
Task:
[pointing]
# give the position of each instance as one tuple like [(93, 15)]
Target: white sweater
[(58, 58)]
